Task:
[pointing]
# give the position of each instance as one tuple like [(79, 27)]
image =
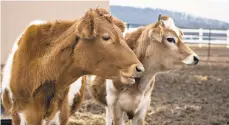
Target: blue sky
[(214, 9)]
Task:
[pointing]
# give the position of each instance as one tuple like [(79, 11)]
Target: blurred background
[(189, 96), (204, 22)]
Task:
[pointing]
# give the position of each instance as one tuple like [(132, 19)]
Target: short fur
[(78, 99), (157, 55), (51, 56)]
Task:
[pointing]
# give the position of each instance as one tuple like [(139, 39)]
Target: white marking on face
[(74, 89), (169, 23), (190, 59)]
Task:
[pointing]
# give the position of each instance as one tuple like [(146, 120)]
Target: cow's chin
[(171, 65), (123, 79), (126, 79), (178, 65)]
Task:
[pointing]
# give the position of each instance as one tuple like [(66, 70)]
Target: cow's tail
[(78, 98), (7, 101)]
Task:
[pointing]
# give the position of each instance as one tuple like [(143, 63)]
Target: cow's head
[(165, 45), (102, 48)]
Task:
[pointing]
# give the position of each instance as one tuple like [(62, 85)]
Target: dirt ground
[(196, 95)]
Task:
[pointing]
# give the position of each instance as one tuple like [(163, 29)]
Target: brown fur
[(153, 53), (7, 104), (131, 38), (119, 24), (98, 91), (62, 51), (164, 17), (16, 119), (78, 99)]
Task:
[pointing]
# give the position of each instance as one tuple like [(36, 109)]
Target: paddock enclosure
[(195, 95), (191, 95)]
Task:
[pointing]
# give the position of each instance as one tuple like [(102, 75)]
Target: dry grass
[(190, 96)]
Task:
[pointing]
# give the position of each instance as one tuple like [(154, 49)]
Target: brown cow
[(48, 57), (160, 48)]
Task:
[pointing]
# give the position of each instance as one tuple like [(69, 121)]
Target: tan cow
[(48, 57), (160, 48)]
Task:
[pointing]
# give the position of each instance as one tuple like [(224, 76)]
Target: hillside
[(139, 16)]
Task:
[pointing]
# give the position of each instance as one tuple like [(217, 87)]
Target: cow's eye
[(106, 36), (171, 40)]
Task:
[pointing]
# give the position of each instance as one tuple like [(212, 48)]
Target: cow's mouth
[(127, 79)]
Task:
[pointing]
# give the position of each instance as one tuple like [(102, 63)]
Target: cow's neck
[(59, 59), (147, 80), (152, 65)]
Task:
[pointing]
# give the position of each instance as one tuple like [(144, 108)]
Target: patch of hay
[(87, 119)]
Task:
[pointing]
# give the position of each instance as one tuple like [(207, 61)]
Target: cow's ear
[(132, 38), (156, 32), (86, 27), (181, 32), (119, 24)]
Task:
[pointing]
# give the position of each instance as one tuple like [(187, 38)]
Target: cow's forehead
[(169, 23)]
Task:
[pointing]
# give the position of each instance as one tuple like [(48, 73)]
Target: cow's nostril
[(140, 69), (196, 60)]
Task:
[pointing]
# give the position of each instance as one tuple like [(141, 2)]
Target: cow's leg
[(64, 109), (139, 117), (138, 121), (109, 116), (35, 112), (64, 113), (118, 116), (33, 117)]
